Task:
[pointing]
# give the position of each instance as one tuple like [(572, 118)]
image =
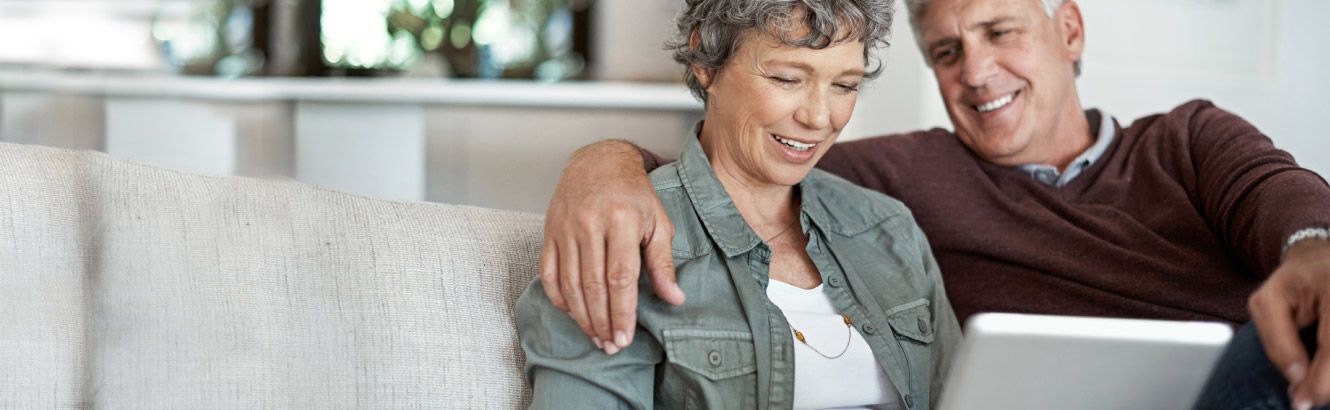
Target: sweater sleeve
[(651, 161), (1254, 196)]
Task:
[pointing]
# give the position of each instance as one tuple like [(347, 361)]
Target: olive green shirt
[(728, 346)]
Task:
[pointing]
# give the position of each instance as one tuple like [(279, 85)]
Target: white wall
[(904, 97), (634, 51), (1268, 64), (1264, 60)]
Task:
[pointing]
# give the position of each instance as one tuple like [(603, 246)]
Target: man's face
[(1005, 72)]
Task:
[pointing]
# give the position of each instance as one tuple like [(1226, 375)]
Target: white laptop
[(1037, 362)]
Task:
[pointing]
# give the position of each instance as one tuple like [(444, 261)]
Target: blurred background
[(480, 102)]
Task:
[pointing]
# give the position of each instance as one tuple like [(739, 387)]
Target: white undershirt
[(852, 381)]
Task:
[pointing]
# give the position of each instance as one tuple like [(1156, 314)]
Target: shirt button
[(909, 401), (714, 358), (835, 282), (923, 326), (1046, 176), (870, 329)]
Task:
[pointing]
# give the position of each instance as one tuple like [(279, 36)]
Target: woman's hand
[(603, 212)]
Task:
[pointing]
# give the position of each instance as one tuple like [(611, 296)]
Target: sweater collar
[(1104, 135)]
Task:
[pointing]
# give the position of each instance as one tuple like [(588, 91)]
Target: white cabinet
[(501, 157), (371, 149), (71, 121), (209, 137), (499, 145)]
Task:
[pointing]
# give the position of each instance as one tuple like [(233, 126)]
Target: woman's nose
[(814, 113)]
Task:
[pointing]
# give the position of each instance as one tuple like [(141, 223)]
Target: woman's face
[(773, 110)]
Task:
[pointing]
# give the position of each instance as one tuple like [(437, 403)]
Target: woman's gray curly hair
[(721, 25)]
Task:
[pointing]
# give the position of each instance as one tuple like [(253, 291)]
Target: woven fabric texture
[(126, 286)]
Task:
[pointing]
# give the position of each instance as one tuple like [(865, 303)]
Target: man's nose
[(979, 66)]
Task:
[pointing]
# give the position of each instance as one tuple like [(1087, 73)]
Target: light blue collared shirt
[(1049, 174)]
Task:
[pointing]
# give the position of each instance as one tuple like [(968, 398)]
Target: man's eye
[(998, 33), (944, 55)]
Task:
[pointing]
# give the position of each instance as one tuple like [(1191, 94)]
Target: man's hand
[(603, 212), (1297, 295)]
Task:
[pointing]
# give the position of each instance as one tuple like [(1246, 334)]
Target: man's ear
[(1071, 29), (703, 76)]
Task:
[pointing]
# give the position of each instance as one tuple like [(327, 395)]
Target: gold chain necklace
[(848, 325), (782, 231)]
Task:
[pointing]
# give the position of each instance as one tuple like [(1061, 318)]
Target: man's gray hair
[(721, 25), (916, 11)]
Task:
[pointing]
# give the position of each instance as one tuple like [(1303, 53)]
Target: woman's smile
[(793, 150), (773, 110)]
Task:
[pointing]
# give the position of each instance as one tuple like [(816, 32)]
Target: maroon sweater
[(1182, 218)]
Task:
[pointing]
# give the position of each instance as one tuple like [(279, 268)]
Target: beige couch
[(125, 286)]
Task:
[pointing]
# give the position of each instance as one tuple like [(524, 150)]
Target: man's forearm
[(1307, 236), (1310, 243), (605, 207), (619, 151)]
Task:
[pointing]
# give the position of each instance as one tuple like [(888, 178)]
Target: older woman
[(804, 291)]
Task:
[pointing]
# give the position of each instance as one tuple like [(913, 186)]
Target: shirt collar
[(1049, 174), (716, 209)]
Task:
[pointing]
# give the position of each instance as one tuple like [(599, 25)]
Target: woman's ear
[(702, 74)]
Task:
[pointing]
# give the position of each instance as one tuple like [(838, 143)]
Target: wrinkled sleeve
[(566, 371), (946, 328), (1253, 195)]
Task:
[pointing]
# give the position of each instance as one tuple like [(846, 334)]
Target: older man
[(1032, 204)]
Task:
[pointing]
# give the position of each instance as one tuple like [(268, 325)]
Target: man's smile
[(998, 103)]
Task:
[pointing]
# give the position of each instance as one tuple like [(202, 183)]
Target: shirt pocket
[(713, 369), (913, 325), (913, 321)]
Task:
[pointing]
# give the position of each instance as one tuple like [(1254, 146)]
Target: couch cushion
[(127, 286)]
